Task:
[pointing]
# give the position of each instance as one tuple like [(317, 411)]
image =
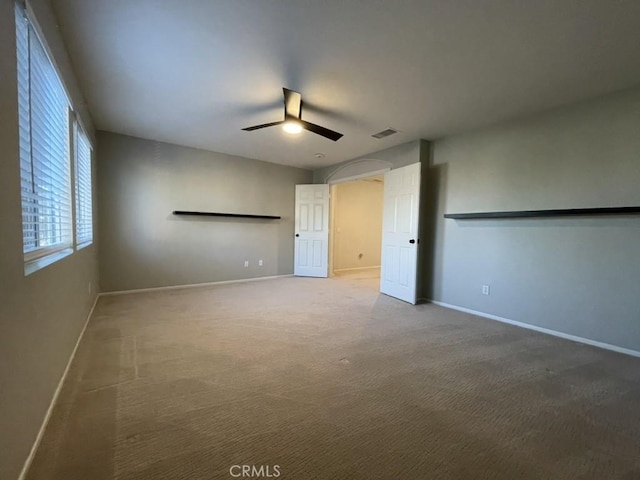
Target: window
[(84, 210), (45, 157)]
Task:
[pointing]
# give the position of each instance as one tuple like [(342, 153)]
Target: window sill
[(35, 265), (80, 246)]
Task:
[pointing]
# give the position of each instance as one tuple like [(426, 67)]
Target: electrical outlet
[(246, 263), (260, 263), (485, 290)]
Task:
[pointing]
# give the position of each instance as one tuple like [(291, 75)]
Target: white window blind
[(84, 210), (44, 147)]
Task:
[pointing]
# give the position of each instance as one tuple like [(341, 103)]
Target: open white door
[(400, 233), (312, 231)]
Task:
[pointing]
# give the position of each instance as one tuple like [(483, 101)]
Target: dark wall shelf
[(570, 212), (217, 214)]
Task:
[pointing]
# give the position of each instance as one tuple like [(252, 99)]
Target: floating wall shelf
[(570, 212), (217, 214)]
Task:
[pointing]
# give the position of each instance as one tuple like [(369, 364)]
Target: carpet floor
[(300, 378)]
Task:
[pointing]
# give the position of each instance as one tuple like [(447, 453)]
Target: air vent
[(385, 133)]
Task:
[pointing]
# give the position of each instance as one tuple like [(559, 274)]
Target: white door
[(400, 233), (312, 231)]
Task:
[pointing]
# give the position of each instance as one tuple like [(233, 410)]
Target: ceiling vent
[(385, 133)]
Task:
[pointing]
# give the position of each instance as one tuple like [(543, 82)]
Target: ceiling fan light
[(292, 127)]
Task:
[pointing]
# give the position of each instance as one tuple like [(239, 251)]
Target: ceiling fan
[(293, 122)]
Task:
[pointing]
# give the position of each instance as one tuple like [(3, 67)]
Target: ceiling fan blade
[(264, 125), (325, 132), (292, 103)]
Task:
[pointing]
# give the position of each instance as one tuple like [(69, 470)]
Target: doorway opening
[(320, 245), (355, 228)]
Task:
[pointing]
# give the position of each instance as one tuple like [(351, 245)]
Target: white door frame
[(333, 200), (360, 176)]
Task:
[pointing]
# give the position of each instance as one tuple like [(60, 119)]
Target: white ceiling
[(194, 72)]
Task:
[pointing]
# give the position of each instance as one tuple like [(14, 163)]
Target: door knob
[(412, 241), (297, 234)]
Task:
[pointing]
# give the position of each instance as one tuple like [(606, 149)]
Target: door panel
[(311, 250), (304, 218), (398, 277)]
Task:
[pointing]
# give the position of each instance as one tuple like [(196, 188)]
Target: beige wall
[(357, 224), (41, 315), (142, 245)]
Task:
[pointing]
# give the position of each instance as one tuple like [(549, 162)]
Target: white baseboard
[(192, 285), (566, 336), (56, 394), (354, 269)]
